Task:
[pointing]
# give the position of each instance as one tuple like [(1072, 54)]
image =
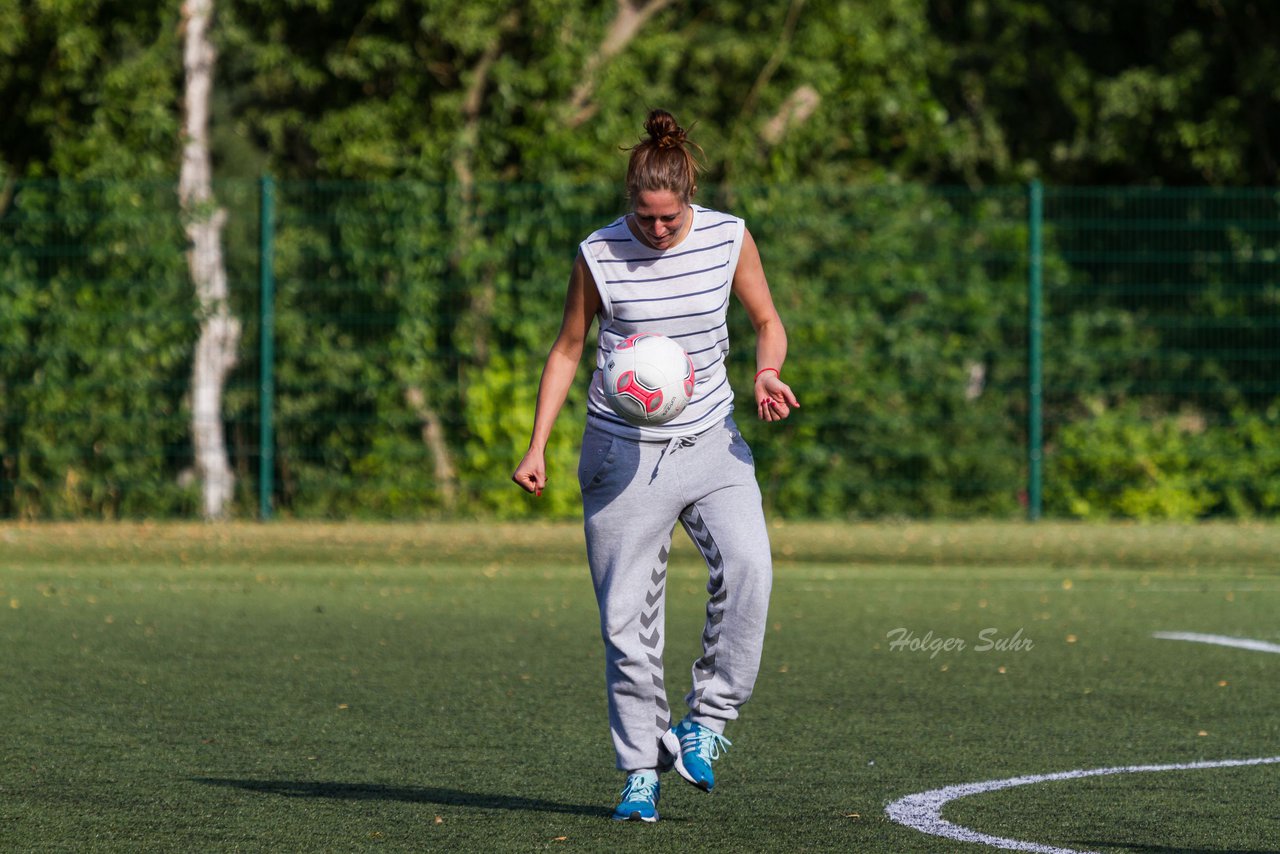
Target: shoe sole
[(635, 816), (671, 744)]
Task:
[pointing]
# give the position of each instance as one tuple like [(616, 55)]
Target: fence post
[(267, 345), (1035, 330)]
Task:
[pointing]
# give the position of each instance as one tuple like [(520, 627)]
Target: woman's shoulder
[(710, 219), (614, 232), (703, 210)]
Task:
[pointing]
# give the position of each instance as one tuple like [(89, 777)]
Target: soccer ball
[(648, 379)]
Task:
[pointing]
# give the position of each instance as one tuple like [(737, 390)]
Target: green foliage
[(500, 406), (441, 159), (97, 338), (903, 308), (1122, 462), (908, 410), (373, 314), (442, 90), (90, 88), (1164, 291), (1074, 92), (1151, 92)]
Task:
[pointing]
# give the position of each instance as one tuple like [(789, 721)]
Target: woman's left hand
[(774, 398)]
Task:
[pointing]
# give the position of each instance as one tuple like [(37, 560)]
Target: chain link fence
[(1068, 352)]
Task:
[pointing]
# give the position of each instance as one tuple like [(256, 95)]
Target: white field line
[(923, 811), (1220, 640)]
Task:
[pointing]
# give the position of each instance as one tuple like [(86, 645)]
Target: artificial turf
[(337, 687)]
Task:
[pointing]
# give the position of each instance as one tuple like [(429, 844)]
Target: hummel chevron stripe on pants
[(633, 493)]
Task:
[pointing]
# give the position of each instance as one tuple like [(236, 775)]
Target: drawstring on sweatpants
[(676, 443)]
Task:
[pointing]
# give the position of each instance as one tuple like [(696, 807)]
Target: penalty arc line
[(923, 811), (1220, 640)]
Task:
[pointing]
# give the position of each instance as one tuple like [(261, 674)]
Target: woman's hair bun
[(664, 131), (664, 160)]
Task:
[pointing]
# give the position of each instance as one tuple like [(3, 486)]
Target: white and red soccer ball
[(648, 379)]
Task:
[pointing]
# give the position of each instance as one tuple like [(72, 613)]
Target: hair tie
[(671, 140)]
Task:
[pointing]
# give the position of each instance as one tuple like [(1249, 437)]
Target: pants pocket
[(738, 446), (596, 457)]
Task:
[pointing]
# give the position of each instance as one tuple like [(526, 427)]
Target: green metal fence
[(1160, 340), (1000, 352)]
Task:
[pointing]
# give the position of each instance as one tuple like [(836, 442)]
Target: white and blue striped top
[(681, 292)]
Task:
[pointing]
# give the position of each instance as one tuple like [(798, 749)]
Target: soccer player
[(669, 267)]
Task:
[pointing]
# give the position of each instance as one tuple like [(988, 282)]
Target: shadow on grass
[(406, 794)]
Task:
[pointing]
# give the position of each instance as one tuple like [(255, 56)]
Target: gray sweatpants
[(633, 493)]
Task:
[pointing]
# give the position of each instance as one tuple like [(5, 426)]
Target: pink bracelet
[(762, 370)]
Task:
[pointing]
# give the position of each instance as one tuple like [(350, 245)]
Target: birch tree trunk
[(215, 352)]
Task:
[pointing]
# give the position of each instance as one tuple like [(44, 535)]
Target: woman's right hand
[(581, 305), (531, 474)]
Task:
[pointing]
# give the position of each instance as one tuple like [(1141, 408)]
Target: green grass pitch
[(350, 687)]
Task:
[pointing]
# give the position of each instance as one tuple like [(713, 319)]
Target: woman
[(669, 267)]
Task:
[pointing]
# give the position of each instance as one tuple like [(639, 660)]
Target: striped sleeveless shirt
[(681, 292)]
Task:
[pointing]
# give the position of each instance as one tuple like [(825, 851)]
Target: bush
[(1124, 463)]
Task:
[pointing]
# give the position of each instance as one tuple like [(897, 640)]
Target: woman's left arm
[(774, 398)]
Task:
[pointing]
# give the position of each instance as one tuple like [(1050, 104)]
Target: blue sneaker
[(667, 758), (694, 748), (639, 798)]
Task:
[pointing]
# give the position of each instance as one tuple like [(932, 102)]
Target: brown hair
[(663, 161)]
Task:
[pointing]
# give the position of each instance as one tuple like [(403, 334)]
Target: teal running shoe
[(694, 747), (639, 798)]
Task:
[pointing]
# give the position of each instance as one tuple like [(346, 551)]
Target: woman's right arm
[(581, 304)]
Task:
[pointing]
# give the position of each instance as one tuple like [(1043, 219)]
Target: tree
[(215, 352), (88, 90), (1149, 92), (439, 159), (94, 307)]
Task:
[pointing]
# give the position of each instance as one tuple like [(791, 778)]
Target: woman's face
[(660, 215)]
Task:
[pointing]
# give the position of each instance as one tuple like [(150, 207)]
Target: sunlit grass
[(440, 687)]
